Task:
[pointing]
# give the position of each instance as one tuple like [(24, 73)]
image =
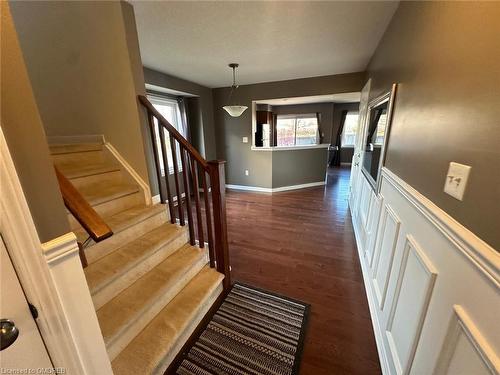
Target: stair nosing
[(91, 172), (154, 249), (216, 283), (133, 189), (111, 340), (128, 223)]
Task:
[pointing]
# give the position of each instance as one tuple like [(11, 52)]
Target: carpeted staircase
[(150, 288)]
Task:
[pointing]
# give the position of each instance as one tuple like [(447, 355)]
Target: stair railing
[(168, 147), (83, 212)]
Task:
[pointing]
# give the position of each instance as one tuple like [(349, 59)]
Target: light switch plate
[(246, 172), (245, 139), (456, 180)]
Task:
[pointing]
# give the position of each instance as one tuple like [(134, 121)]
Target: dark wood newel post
[(218, 186)]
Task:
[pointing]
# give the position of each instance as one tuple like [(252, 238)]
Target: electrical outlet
[(245, 139), (456, 180), (246, 172)]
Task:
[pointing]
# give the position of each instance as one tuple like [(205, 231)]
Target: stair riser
[(101, 249), (80, 158), (119, 204), (124, 280), (111, 177), (188, 331), (122, 338)]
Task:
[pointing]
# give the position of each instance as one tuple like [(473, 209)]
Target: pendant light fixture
[(234, 110)]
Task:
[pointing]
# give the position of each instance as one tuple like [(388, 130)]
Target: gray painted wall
[(229, 131), (23, 130), (297, 167), (446, 58), (84, 65)]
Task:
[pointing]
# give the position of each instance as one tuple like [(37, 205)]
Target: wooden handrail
[(173, 131), (83, 212), (194, 168)]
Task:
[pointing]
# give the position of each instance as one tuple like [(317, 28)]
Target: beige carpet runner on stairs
[(150, 288)]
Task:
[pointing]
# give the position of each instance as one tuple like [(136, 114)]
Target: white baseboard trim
[(372, 305), (71, 139), (155, 199), (274, 190)]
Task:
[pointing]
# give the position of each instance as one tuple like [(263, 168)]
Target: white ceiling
[(272, 40), (348, 97)]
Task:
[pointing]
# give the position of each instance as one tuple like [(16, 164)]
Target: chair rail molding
[(432, 285), (53, 281)]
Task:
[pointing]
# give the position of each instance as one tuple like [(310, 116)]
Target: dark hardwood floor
[(301, 244)]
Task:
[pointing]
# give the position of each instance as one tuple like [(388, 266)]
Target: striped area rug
[(252, 332)]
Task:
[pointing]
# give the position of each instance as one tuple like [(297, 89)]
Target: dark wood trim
[(83, 212), (217, 179)]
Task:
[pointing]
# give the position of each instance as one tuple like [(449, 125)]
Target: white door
[(26, 352), (358, 149)]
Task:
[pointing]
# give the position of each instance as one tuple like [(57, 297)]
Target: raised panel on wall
[(385, 253), (373, 223), (465, 350), (409, 306)]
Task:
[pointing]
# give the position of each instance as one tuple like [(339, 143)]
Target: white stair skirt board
[(128, 168), (432, 285), (274, 190)]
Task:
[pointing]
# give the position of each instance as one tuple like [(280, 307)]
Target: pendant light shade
[(234, 110)]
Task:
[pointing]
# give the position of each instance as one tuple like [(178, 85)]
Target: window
[(297, 130), (381, 125), (350, 130), (170, 109)]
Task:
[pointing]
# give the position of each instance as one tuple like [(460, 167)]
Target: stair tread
[(76, 170), (146, 351), (105, 191), (125, 219), (70, 148), (128, 306), (105, 270)]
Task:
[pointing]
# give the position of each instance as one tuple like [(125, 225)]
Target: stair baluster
[(166, 169), (213, 193), (189, 213)]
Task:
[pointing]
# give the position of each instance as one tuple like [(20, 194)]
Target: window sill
[(290, 148)]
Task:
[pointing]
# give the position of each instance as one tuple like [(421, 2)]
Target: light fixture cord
[(233, 86)]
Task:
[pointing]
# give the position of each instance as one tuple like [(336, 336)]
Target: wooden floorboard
[(301, 244)]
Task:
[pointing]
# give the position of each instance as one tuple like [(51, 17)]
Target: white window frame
[(177, 123), (296, 117)]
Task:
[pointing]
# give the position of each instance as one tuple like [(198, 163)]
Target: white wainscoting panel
[(465, 351), (373, 222), (422, 271), (385, 253), (413, 292)]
